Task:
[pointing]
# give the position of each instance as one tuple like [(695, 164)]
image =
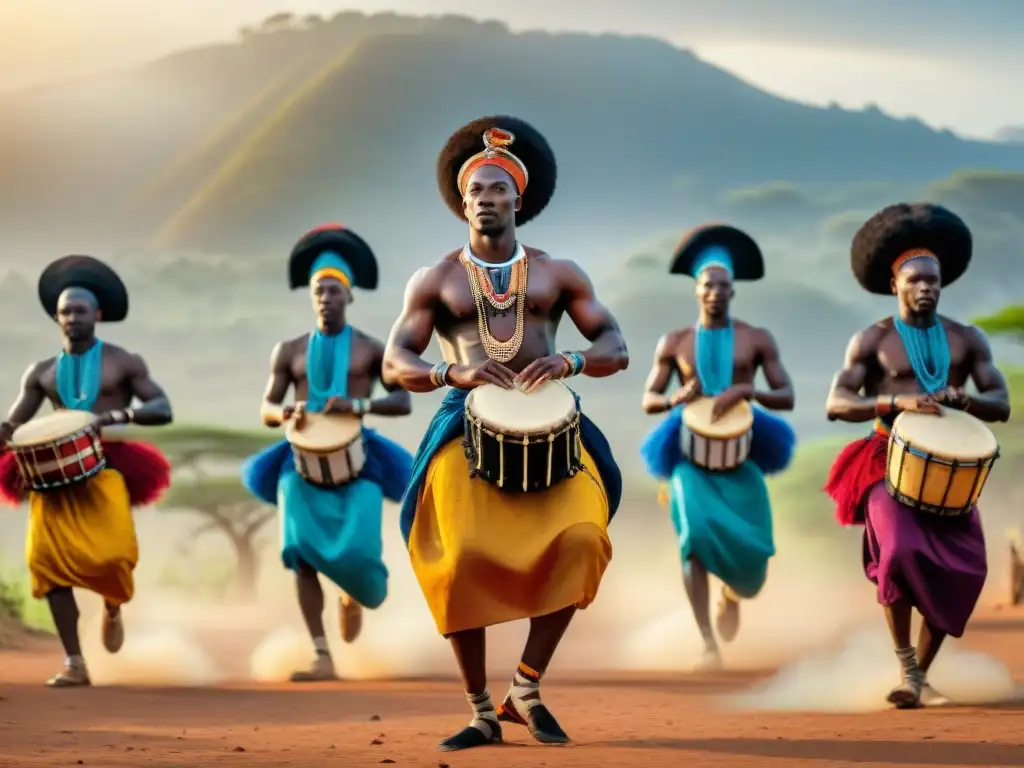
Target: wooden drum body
[(523, 441), (939, 464), (329, 450), (717, 445), (58, 450)]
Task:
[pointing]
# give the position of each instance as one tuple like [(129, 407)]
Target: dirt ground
[(616, 719)]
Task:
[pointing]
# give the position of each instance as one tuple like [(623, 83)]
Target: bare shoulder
[(427, 281), (367, 342), (760, 335), (131, 362), (284, 352), (670, 343), (39, 369), (968, 331), (865, 343)]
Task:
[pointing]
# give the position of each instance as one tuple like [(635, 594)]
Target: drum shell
[(333, 468), (61, 462), (716, 454), (488, 456), (931, 483)]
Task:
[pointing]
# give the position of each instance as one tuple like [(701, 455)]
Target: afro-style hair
[(902, 227), (89, 273), (747, 261), (529, 146), (344, 242)]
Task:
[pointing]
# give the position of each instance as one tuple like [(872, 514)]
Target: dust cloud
[(857, 676)]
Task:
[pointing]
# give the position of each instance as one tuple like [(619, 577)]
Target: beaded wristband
[(360, 407), (439, 374), (576, 363)]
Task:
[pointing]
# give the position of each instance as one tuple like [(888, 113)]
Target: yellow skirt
[(84, 537), (484, 556)]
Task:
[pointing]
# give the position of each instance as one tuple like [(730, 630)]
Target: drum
[(939, 464), (523, 441), (329, 450), (717, 445), (58, 450)]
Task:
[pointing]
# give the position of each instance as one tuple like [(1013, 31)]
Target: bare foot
[(322, 670), (113, 630), (727, 622), (351, 614)]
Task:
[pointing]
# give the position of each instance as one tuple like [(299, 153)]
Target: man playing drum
[(912, 362), (485, 554), (331, 527), (720, 509), (81, 533)]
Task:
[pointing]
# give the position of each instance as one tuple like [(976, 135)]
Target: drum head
[(50, 427), (513, 411), (322, 433), (953, 435), (735, 422)]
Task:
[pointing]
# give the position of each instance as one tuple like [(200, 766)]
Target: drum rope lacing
[(497, 350)]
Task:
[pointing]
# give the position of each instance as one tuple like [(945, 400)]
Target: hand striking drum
[(513, 488), (329, 476), (713, 448), (914, 482), (81, 480)]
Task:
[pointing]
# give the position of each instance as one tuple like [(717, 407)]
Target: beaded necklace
[(928, 351), (511, 277)]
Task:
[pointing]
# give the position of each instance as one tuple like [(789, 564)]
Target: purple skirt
[(938, 563)]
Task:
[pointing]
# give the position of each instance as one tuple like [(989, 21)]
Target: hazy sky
[(954, 63)]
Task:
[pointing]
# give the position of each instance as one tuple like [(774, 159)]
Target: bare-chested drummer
[(331, 531), (483, 555), (912, 361), (83, 535), (722, 519)]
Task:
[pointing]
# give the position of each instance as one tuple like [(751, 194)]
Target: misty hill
[(234, 148)]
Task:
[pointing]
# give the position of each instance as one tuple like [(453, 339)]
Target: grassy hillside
[(232, 148)]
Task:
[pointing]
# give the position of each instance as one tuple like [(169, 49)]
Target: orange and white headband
[(496, 153), (913, 253)]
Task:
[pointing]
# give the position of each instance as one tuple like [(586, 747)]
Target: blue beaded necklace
[(713, 350), (928, 351), (78, 378), (327, 364)]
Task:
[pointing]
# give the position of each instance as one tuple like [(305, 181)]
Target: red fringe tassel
[(146, 471), (858, 466)]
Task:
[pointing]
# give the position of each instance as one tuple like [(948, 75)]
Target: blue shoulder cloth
[(771, 447), (447, 425), (388, 465)]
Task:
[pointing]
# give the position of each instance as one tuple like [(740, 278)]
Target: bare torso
[(456, 316), (364, 364), (119, 369), (888, 368), (748, 352)]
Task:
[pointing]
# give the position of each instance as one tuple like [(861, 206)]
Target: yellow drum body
[(939, 464)]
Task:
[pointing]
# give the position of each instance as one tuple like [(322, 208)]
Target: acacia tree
[(206, 482)]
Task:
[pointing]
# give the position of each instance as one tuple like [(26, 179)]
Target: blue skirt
[(335, 531), (723, 519)]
